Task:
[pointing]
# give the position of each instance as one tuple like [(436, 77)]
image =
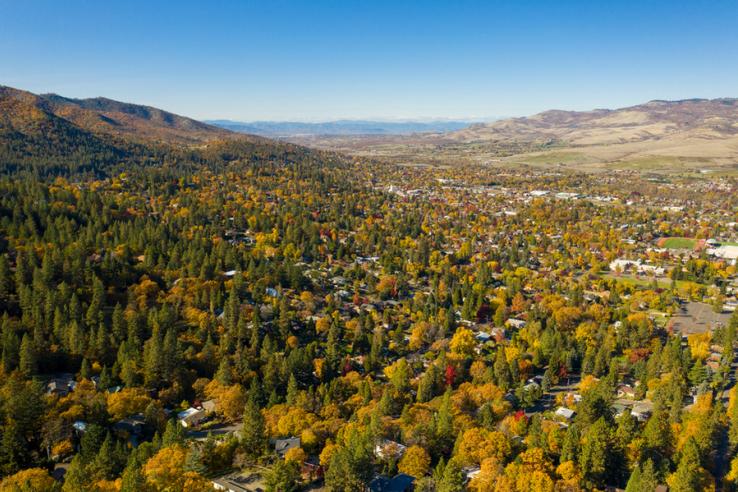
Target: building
[(641, 411), (389, 449), (232, 483), (281, 446), (399, 483), (192, 417), (626, 391), (61, 385), (133, 425), (565, 413), (725, 252), (636, 266)]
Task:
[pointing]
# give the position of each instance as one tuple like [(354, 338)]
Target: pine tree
[(453, 478), (28, 364), (502, 370), (689, 473), (595, 455), (173, 434), (292, 390), (253, 435)]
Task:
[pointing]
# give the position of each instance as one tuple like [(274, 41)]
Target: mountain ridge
[(339, 127), (51, 134), (694, 134)]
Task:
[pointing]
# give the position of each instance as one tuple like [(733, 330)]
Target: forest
[(172, 316)]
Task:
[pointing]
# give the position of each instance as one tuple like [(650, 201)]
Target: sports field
[(680, 243)]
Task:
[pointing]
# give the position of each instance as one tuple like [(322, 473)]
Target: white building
[(725, 252)]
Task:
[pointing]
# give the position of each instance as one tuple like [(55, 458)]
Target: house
[(233, 483), (389, 449), (80, 426), (618, 409), (470, 472), (565, 413), (626, 391), (641, 411), (311, 469), (515, 323), (399, 483), (208, 406), (191, 417), (281, 446), (133, 425), (61, 385), (483, 336)]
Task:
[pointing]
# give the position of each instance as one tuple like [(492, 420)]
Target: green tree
[(452, 479), (253, 434), (284, 476)]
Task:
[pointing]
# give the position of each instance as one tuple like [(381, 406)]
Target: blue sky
[(320, 60)]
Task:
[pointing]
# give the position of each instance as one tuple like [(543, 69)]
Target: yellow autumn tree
[(29, 480), (165, 471), (415, 462), (478, 444), (296, 455), (127, 402), (486, 479), (463, 342)]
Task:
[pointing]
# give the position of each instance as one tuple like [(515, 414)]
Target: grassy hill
[(690, 135)]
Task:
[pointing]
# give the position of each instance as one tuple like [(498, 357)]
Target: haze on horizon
[(321, 61)]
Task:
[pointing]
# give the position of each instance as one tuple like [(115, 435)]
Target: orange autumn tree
[(165, 472)]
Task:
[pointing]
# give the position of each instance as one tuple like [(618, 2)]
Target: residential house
[(233, 483), (389, 449), (399, 483), (626, 391), (281, 446), (565, 413), (192, 417)]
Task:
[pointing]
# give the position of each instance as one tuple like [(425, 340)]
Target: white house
[(191, 417), (565, 413), (386, 449)]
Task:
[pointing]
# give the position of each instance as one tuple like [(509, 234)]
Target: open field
[(683, 286), (677, 243)]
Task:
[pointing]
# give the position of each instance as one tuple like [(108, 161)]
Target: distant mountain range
[(277, 129), (695, 134)]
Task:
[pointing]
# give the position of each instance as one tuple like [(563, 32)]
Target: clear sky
[(320, 60)]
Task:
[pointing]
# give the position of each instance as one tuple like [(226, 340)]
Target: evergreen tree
[(502, 370), (253, 435), (453, 478), (28, 364)]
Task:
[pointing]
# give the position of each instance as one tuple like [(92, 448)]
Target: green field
[(678, 243), (663, 283)]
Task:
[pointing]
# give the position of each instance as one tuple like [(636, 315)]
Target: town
[(388, 328)]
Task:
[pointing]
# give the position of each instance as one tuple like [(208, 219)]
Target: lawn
[(683, 286), (677, 243)]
